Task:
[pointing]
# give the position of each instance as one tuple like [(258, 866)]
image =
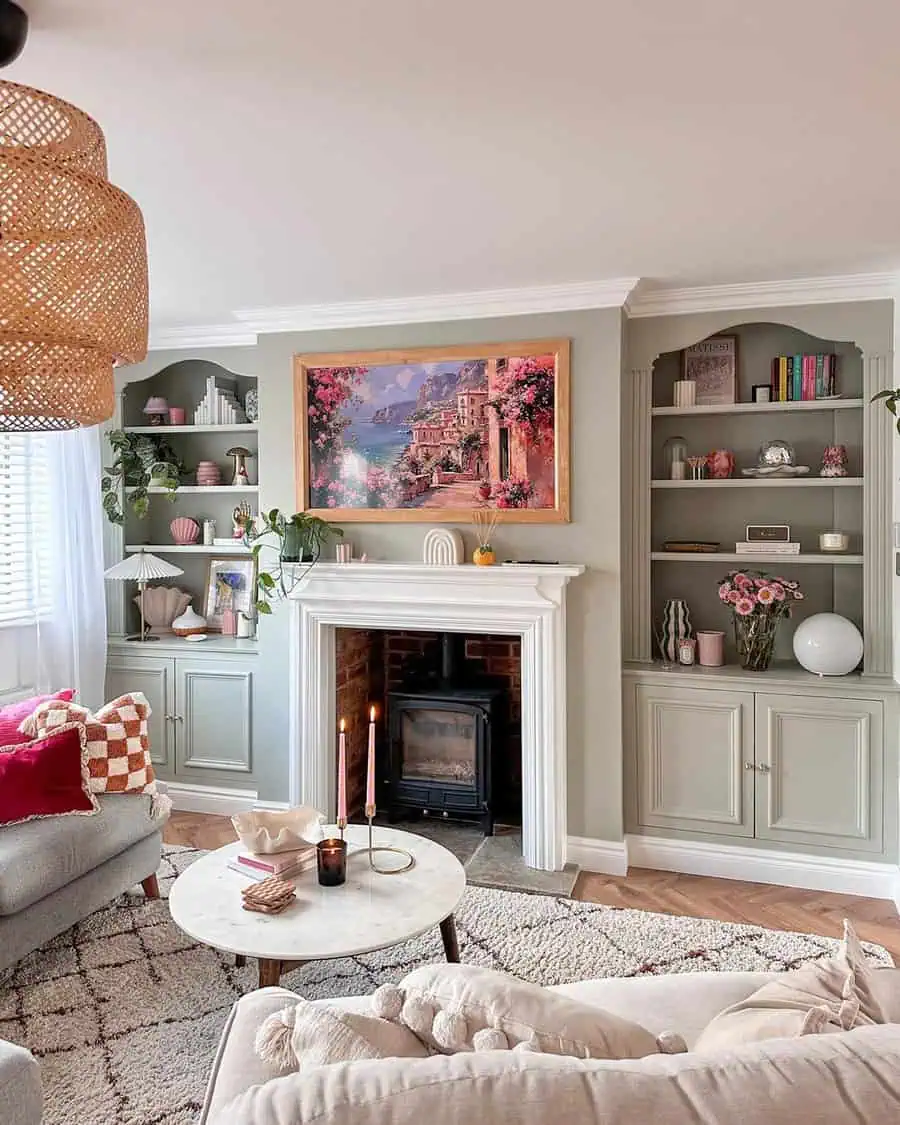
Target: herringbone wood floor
[(778, 908)]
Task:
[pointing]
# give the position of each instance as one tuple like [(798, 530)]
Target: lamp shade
[(73, 264), (142, 567)]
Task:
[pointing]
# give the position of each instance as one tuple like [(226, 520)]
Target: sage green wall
[(592, 538)]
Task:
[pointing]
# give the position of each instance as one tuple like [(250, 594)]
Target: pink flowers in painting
[(525, 396)]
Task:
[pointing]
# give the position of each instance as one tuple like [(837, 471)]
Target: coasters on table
[(271, 896)]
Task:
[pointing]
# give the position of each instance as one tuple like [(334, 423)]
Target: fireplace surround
[(526, 600)]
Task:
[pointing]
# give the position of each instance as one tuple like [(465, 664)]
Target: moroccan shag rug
[(124, 1012)]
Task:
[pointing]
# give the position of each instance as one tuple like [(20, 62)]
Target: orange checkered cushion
[(118, 741)]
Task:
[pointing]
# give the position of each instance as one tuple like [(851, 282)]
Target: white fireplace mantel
[(526, 600)]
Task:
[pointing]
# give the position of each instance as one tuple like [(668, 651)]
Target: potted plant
[(139, 462), (295, 539), (758, 603)]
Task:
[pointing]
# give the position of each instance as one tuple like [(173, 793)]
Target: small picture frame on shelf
[(712, 365), (762, 392), (230, 585)]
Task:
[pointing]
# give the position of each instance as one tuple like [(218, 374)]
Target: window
[(26, 528)]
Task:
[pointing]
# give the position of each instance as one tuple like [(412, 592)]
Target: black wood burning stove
[(443, 734)]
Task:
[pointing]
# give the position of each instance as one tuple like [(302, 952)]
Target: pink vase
[(720, 464), (229, 623), (710, 648)]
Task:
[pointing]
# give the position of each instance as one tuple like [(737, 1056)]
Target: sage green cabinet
[(784, 768), (154, 677), (201, 722), (819, 771), (694, 747)]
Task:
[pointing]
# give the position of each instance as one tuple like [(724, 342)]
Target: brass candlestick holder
[(372, 849)]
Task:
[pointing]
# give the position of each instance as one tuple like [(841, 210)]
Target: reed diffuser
[(484, 520)]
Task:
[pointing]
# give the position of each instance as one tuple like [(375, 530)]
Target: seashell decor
[(266, 833), (162, 604), (185, 531)]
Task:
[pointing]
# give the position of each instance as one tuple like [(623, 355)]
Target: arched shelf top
[(867, 326)]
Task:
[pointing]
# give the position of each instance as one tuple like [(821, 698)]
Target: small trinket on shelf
[(686, 647)]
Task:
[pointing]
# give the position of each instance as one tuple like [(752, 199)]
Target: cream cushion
[(305, 1035), (835, 994), (467, 1007), (827, 1079)]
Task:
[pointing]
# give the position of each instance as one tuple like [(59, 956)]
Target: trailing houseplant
[(139, 460), (891, 399), (296, 539), (758, 603)]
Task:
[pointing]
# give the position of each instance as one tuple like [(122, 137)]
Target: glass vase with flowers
[(758, 603)]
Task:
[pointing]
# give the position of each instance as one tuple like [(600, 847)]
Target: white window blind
[(26, 532)]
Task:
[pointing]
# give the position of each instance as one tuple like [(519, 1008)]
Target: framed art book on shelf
[(712, 366)]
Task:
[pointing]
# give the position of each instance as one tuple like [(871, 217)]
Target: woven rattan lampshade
[(73, 267)]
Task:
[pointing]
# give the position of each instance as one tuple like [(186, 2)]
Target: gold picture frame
[(424, 435)]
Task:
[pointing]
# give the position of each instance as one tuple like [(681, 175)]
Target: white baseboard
[(608, 857), (755, 865), (218, 801)]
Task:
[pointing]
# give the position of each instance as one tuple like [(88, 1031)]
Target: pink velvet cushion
[(15, 713), (46, 777)]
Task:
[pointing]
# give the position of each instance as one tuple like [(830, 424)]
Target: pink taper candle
[(370, 772), (342, 780)]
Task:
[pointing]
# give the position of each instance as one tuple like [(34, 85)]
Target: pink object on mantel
[(185, 531), (710, 648), (208, 473), (720, 464)]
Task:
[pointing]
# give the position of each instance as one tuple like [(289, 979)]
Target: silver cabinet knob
[(749, 766), (170, 718), (763, 768)]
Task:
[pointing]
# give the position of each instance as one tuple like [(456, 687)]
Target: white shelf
[(751, 560), (762, 482), (236, 427), (190, 489), (781, 674), (191, 549), (215, 645), (813, 407)]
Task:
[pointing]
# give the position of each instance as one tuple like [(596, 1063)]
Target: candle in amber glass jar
[(331, 859)]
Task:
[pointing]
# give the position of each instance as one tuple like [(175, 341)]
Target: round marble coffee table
[(370, 911)]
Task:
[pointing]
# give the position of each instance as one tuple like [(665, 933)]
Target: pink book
[(276, 864)]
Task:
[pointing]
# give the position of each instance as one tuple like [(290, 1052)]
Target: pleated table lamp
[(142, 567)]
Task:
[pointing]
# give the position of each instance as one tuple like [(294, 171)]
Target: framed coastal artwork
[(428, 434)]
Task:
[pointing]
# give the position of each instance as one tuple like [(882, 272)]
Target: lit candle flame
[(371, 714), (342, 726)]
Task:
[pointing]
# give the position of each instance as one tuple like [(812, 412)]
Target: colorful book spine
[(820, 376), (782, 378), (803, 378), (798, 378)]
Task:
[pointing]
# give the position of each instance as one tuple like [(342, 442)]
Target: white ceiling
[(287, 153)]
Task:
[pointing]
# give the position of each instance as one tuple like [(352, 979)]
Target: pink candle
[(370, 773), (342, 779)]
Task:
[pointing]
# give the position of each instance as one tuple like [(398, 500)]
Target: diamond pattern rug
[(124, 1011)]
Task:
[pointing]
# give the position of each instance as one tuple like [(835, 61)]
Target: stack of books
[(803, 378), (287, 865), (769, 547)]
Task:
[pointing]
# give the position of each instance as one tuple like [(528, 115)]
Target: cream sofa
[(826, 1079)]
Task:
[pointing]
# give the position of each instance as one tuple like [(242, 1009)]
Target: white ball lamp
[(828, 644)]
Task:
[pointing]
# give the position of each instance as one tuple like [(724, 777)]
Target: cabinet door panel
[(820, 780), (692, 750), (214, 705), (154, 676)]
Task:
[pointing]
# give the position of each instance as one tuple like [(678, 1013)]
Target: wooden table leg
[(239, 960), (269, 973), (448, 935), (151, 886)]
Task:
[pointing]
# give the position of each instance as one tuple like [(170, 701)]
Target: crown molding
[(763, 294), (476, 305), (202, 336)]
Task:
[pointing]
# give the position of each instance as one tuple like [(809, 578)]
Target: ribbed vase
[(676, 624)]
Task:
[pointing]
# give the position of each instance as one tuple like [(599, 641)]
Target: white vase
[(189, 623)]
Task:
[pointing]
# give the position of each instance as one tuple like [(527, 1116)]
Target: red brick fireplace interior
[(372, 663)]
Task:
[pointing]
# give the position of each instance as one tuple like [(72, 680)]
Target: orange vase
[(484, 556)]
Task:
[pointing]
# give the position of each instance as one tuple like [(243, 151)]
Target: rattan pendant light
[(73, 267)]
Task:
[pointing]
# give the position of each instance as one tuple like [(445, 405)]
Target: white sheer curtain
[(71, 628)]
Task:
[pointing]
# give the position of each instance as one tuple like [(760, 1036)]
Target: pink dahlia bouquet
[(757, 604)]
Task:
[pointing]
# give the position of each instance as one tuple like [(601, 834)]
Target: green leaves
[(139, 458), (266, 580)]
